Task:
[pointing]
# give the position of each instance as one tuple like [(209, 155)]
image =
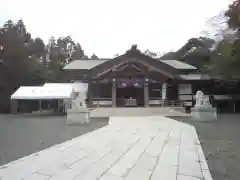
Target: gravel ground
[(23, 135), (221, 144)]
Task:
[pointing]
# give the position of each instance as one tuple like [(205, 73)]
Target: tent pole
[(40, 105), (14, 106)]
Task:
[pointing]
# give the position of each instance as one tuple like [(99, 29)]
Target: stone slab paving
[(129, 148)]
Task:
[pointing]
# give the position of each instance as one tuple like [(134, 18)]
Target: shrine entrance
[(129, 95)]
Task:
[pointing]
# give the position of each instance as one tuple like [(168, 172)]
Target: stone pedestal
[(80, 116), (78, 113), (204, 111)]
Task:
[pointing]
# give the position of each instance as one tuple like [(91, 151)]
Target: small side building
[(37, 98)]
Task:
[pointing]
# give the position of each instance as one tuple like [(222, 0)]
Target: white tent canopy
[(42, 93), (77, 86)]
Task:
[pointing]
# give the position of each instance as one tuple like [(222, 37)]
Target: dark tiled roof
[(178, 64), (170, 68), (84, 64), (89, 64), (195, 77)]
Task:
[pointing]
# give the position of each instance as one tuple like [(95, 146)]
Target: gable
[(133, 56), (130, 67), (133, 64)]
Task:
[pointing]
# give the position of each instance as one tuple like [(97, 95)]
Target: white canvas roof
[(41, 92), (77, 86)]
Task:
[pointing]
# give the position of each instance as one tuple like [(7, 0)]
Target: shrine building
[(135, 79)]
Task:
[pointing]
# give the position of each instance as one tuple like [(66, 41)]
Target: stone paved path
[(129, 148)]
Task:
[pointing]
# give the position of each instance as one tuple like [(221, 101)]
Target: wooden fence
[(153, 102)]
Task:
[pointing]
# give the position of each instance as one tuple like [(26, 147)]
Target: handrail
[(100, 98), (101, 102)]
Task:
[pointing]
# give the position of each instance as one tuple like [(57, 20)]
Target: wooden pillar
[(146, 94), (14, 106), (114, 93), (58, 106), (90, 95)]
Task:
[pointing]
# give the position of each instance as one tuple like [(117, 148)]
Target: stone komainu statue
[(79, 102), (199, 98)]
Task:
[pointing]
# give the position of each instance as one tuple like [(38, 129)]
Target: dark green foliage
[(195, 52), (27, 61), (169, 56), (229, 48), (233, 14), (94, 57)]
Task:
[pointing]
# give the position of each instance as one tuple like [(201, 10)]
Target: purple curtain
[(130, 83)]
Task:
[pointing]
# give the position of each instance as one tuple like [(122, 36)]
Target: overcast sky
[(107, 27)]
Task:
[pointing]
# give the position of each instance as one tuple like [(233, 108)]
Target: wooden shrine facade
[(133, 79)]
